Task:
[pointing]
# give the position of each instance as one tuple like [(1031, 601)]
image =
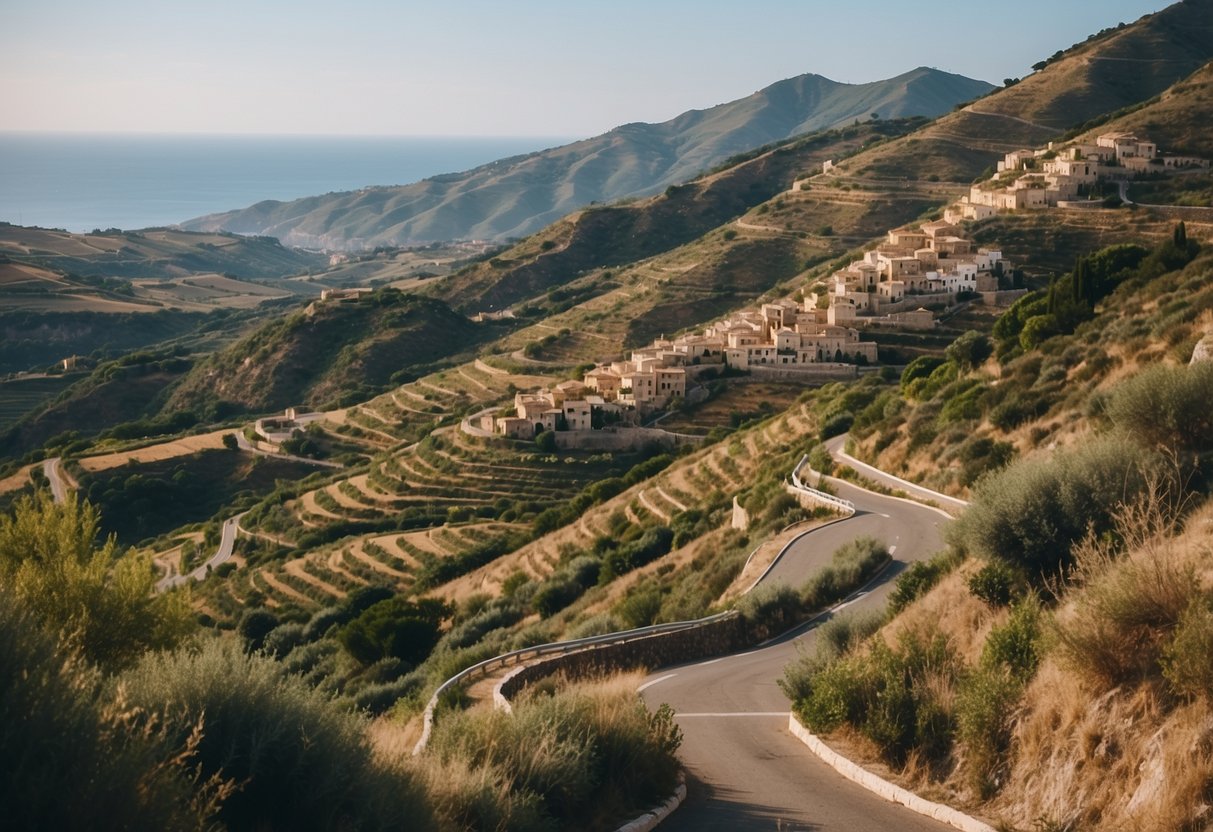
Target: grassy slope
[(1119, 69), (1097, 736), (520, 195), (342, 348), (153, 253)]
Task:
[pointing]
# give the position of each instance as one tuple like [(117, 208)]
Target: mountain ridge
[(521, 194)]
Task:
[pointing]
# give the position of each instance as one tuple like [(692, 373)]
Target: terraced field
[(410, 411), (326, 575), (704, 479)]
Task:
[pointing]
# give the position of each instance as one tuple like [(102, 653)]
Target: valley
[(796, 439)]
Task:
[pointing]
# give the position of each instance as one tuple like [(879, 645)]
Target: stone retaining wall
[(622, 439)]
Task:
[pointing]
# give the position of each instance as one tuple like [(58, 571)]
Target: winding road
[(745, 770), (227, 542), (53, 469)]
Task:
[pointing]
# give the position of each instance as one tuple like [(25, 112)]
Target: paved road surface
[(53, 468), (227, 542), (835, 446), (745, 770), (244, 445)]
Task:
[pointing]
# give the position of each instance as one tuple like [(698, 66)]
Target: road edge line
[(650, 819), (878, 785)]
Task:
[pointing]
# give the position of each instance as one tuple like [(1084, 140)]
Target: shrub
[(324, 620), (769, 609), (852, 565), (1127, 610), (1187, 660), (996, 583), (892, 696), (74, 761), (1016, 646), (555, 595), (984, 705), (1033, 512), (1167, 406), (918, 579), (283, 639), (584, 752), (301, 762), (397, 628), (836, 425), (379, 697), (820, 460), (100, 601), (254, 626)]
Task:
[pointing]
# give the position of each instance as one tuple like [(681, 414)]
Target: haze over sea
[(84, 181)]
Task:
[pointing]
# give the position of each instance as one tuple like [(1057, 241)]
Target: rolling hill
[(517, 196)]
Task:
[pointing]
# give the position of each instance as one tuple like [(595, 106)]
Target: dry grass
[(950, 609), (155, 453)]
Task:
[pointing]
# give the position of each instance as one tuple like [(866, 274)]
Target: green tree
[(100, 601), (396, 628), (970, 350), (229, 441)]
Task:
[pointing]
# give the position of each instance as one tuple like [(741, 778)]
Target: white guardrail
[(817, 493), (564, 647), (559, 647)]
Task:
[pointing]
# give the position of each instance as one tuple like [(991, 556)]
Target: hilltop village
[(1065, 177), (786, 339), (892, 285)]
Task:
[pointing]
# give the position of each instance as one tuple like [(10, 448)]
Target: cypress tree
[(1181, 235)]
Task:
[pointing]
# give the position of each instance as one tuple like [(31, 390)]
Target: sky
[(483, 67)]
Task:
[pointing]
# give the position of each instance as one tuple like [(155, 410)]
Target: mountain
[(517, 196), (1076, 89)]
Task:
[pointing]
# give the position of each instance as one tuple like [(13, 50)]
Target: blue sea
[(84, 181)]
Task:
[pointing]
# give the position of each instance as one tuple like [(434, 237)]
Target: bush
[(301, 762), (73, 760), (1129, 607), (254, 626), (1187, 660), (918, 579), (996, 583), (1167, 406), (1016, 647), (581, 753), (99, 600), (1033, 512), (769, 609), (555, 595), (836, 425), (984, 705), (396, 628), (852, 565), (891, 696)]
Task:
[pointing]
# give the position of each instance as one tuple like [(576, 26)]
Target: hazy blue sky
[(483, 67)]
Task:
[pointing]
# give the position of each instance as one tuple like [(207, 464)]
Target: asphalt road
[(745, 770), (53, 468), (227, 542)]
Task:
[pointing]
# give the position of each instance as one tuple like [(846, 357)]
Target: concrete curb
[(882, 787), (909, 487), (650, 819)]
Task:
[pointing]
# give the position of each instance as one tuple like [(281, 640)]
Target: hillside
[(152, 253), (628, 232), (1089, 82), (517, 196), (1055, 663), (333, 351)]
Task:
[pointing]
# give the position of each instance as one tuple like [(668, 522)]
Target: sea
[(80, 182)]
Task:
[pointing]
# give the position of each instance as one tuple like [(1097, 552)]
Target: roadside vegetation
[(1072, 608)]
